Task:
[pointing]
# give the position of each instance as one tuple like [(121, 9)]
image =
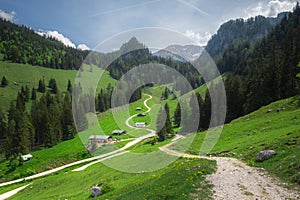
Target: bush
[(13, 164)]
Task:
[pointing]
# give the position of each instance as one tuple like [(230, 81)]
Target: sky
[(86, 24)]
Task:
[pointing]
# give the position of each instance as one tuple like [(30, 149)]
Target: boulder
[(264, 155), (96, 191)]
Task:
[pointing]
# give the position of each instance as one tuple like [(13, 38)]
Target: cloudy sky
[(85, 24)]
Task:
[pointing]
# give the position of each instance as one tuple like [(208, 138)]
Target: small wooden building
[(26, 157), (140, 124), (138, 108), (99, 139), (118, 132)]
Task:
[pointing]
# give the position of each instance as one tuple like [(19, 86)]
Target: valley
[(151, 113)]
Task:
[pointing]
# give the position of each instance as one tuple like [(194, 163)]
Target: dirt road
[(236, 180)]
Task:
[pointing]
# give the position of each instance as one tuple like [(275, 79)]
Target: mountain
[(181, 53), (21, 44), (235, 31)]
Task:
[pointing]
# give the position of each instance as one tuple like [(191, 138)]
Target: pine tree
[(4, 82), (206, 110), (42, 87), (68, 126), (33, 94), (168, 124), (201, 111), (3, 130), (177, 115), (53, 86), (69, 87), (164, 124), (166, 93), (20, 102), (26, 93), (161, 131)]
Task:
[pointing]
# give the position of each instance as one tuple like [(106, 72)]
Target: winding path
[(148, 110), (95, 159), (236, 180), (129, 144)]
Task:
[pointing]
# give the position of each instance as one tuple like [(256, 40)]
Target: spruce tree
[(68, 126), (33, 94), (26, 93), (161, 131), (69, 87), (4, 82), (42, 87), (177, 115), (168, 123), (20, 102), (206, 110)]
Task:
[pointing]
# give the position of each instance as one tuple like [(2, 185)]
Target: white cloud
[(197, 37), (83, 47), (60, 37), (271, 8), (8, 16)]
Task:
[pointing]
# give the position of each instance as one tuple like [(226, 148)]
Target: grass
[(23, 74), (75, 149), (180, 180), (260, 130), (45, 159)]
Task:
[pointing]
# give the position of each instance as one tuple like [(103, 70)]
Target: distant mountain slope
[(21, 44), (181, 53), (235, 31)]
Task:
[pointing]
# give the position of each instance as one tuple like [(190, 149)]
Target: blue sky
[(92, 21)]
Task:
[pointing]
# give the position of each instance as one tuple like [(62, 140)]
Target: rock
[(264, 155), (269, 110), (96, 191), (292, 164), (280, 168)]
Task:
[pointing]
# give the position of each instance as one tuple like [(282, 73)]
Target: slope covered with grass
[(181, 180), (264, 129), (19, 75)]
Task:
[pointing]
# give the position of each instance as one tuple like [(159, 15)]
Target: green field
[(20, 75), (73, 150), (262, 130), (180, 180), (45, 159)]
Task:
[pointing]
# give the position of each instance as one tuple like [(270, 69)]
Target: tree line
[(48, 122), (264, 71), (21, 44)]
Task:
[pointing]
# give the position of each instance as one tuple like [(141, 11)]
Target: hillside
[(265, 129), (21, 44), (19, 75), (239, 30)]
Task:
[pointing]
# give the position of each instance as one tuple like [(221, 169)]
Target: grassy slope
[(74, 149), (180, 180), (45, 159), (246, 136), (65, 152), (20, 75)]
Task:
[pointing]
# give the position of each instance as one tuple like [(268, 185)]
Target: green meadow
[(264, 129)]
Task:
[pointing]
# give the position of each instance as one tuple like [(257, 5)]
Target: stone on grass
[(264, 155), (96, 191)]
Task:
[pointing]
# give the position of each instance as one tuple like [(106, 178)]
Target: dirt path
[(12, 192), (148, 110), (96, 159), (236, 180)]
